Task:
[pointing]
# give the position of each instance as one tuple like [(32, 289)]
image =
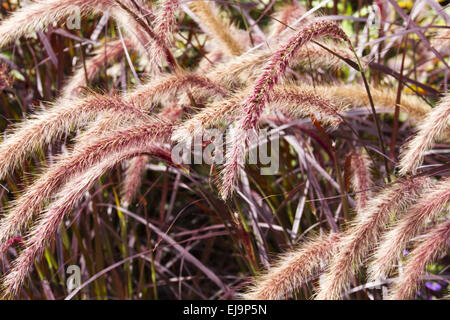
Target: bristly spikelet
[(164, 86), (361, 178), (213, 24), (246, 68), (70, 194), (364, 234), (40, 14), (294, 100), (8, 244), (49, 125), (166, 20), (291, 100), (293, 269), (137, 167), (356, 96), (276, 66), (254, 104), (133, 179), (430, 129), (425, 253), (429, 206), (85, 156)]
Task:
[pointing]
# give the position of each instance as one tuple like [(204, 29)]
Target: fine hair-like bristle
[(293, 269), (361, 178), (46, 227), (133, 179), (80, 160), (114, 51), (430, 129), (47, 126), (429, 206), (165, 18), (254, 104), (214, 25), (425, 253), (364, 233), (291, 100)]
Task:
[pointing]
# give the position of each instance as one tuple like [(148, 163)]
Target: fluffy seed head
[(429, 206), (364, 233)]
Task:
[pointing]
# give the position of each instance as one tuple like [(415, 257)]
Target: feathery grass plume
[(429, 206), (364, 234), (430, 129), (213, 24), (86, 155), (49, 125), (337, 97), (66, 199), (246, 68), (435, 241), (40, 14), (356, 95), (5, 80), (148, 43), (293, 269), (292, 100), (286, 15), (137, 167), (361, 178), (165, 86), (136, 25), (114, 51), (253, 106), (133, 179), (165, 18)]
